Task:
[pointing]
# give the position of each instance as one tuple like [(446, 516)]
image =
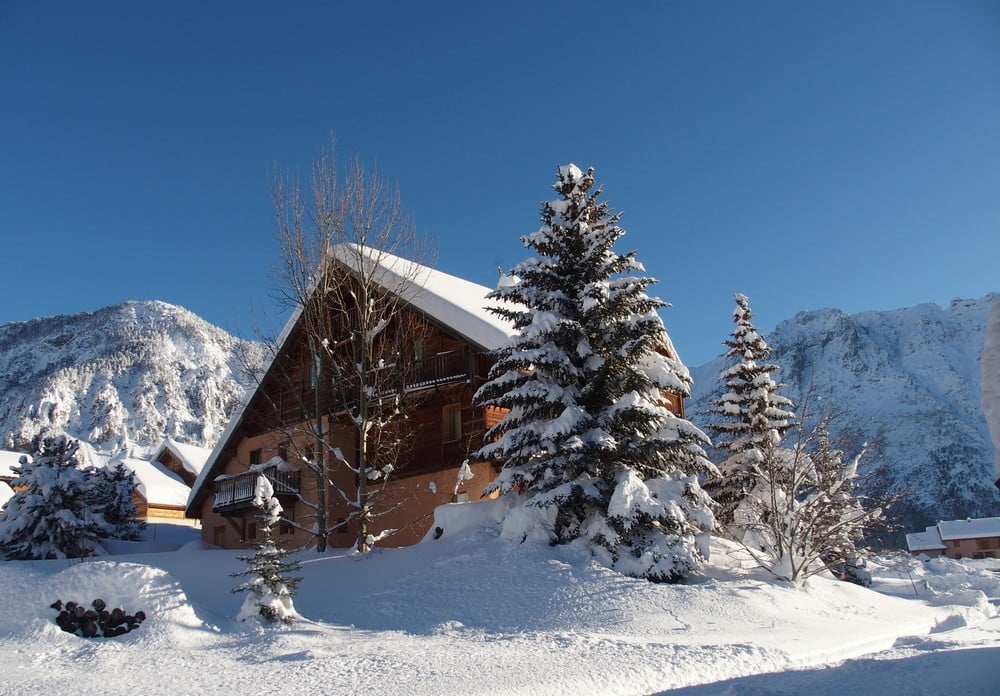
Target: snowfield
[(473, 613)]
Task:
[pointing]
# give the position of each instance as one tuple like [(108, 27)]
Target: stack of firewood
[(97, 621)]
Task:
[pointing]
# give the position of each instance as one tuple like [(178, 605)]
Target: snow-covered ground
[(472, 613)]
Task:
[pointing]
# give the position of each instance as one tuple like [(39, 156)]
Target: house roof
[(969, 528), (457, 305), (191, 457), (7, 460), (157, 484), (6, 493), (927, 540)]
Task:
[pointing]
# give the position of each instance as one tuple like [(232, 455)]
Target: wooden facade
[(432, 357), (442, 343)]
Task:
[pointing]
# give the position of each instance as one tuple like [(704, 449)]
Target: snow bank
[(471, 612)]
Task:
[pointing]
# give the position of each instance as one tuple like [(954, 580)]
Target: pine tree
[(272, 583), (50, 515), (588, 438), (111, 489), (754, 417)]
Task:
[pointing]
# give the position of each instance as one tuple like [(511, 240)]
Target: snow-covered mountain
[(134, 372), (905, 381)]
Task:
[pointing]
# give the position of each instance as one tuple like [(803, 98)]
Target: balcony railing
[(237, 492), (437, 369)]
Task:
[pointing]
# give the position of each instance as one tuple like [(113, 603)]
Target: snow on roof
[(456, 303), (927, 540), (970, 528), (158, 485), (6, 493), (192, 457), (7, 460)]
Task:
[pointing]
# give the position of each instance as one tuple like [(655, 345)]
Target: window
[(283, 451), (451, 422), (985, 544), (251, 531), (285, 523), (418, 349), (219, 535), (254, 457)]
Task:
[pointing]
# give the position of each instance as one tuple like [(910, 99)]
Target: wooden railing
[(438, 369), (238, 491)]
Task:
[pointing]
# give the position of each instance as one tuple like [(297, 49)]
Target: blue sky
[(808, 155)]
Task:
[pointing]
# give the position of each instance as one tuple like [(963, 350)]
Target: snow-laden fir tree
[(272, 584), (50, 515), (110, 489), (589, 441), (753, 417)]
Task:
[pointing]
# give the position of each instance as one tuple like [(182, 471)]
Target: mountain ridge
[(906, 381), (129, 373)]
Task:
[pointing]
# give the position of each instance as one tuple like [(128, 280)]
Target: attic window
[(255, 457)]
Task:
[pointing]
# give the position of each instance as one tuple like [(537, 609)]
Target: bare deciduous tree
[(347, 252)]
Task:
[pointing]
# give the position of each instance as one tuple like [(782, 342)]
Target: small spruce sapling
[(272, 584)]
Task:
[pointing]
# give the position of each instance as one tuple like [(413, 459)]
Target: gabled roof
[(191, 457), (969, 528), (456, 305), (157, 485), (927, 540), (7, 460)]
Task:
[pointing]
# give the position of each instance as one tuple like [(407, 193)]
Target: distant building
[(969, 538)]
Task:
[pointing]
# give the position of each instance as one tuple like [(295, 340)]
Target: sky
[(807, 155)]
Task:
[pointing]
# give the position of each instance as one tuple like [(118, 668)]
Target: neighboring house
[(969, 538), (6, 493), (927, 542), (445, 366), (186, 461), (159, 492)]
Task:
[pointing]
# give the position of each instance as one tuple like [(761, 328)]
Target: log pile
[(96, 622)]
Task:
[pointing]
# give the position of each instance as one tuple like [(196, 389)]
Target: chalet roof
[(158, 485), (7, 460), (927, 540), (970, 528), (192, 457), (459, 306)]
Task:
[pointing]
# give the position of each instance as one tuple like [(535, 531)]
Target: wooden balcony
[(443, 368), (235, 494)]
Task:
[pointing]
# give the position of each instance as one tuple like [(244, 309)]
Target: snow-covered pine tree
[(272, 584), (753, 417), (589, 440), (50, 516), (110, 489)]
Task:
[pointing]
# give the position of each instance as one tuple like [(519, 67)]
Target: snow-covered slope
[(138, 370), (908, 382)]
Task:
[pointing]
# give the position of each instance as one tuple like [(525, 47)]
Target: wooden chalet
[(447, 359), (185, 460)]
